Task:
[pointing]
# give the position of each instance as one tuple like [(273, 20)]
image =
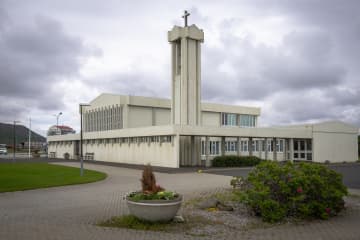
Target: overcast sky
[(299, 60)]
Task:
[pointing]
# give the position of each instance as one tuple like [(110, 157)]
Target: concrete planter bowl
[(155, 210)]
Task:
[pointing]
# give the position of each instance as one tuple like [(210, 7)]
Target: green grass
[(129, 221), (25, 176)]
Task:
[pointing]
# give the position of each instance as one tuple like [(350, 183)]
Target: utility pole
[(29, 138)]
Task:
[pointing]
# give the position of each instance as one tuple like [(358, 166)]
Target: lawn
[(25, 176)]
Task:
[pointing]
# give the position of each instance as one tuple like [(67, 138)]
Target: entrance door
[(302, 149), (299, 150)]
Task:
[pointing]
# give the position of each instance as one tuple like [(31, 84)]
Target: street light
[(14, 132), (81, 105), (57, 120)]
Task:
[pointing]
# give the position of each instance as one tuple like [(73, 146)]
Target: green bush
[(235, 161), (305, 190)]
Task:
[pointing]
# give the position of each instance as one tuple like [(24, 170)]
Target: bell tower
[(186, 73)]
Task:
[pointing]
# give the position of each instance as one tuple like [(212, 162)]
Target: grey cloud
[(138, 83), (303, 106), (34, 57), (261, 70), (311, 75), (344, 96), (303, 79)]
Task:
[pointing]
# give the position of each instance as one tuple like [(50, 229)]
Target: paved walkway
[(71, 212)]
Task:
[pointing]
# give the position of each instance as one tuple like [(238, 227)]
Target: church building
[(184, 131)]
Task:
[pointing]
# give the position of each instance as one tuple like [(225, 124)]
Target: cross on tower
[(185, 16)]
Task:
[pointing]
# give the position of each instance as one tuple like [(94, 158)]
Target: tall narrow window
[(178, 58), (270, 145), (280, 145), (244, 146), (214, 147), (203, 148)]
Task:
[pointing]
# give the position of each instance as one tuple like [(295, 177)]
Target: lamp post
[(81, 105), (57, 120), (14, 138)]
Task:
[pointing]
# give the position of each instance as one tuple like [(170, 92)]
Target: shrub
[(235, 161), (302, 190)]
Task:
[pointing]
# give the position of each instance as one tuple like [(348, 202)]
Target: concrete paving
[(70, 212)]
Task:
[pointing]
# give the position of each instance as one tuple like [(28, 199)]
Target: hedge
[(235, 161)]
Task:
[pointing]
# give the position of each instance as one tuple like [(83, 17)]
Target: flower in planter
[(299, 190), (328, 210), (151, 190)]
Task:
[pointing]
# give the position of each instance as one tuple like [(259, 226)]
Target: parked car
[(3, 149)]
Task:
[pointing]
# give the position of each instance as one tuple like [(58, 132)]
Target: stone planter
[(154, 210)]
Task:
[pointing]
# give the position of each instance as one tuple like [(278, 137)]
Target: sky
[(298, 60)]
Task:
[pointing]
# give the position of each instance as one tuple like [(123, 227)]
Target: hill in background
[(22, 134)]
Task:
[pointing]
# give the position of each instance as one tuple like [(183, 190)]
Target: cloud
[(304, 68), (34, 57), (138, 83), (259, 70), (297, 59)]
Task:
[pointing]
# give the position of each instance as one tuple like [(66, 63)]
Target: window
[(244, 146), (296, 145), (230, 146), (302, 146), (228, 119), (270, 145), (280, 145), (165, 139), (309, 145), (203, 152), (214, 148), (247, 120), (255, 145)]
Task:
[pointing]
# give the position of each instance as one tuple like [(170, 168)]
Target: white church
[(183, 131)]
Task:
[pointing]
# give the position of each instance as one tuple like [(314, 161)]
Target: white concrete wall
[(139, 116), (60, 148), (335, 147), (156, 153), (162, 116), (211, 119)]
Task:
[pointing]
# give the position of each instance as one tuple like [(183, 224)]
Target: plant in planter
[(153, 203)]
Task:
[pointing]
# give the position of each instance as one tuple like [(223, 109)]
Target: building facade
[(60, 130), (184, 131)]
